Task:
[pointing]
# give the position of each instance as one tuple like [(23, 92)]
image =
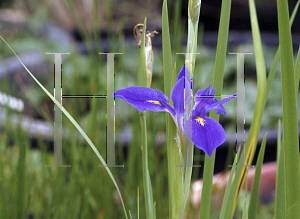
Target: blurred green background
[(85, 28)]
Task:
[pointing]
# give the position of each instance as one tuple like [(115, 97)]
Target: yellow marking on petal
[(154, 101), (200, 120)]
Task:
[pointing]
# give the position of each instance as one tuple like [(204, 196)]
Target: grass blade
[(238, 182), (297, 72), (290, 126), (251, 142), (72, 120), (277, 56), (218, 84), (21, 174), (250, 145), (280, 181), (175, 186), (175, 174), (166, 47), (138, 203), (146, 176), (245, 210), (256, 181), (227, 190)]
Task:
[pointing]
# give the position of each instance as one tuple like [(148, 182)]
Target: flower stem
[(142, 81), (146, 175), (176, 189)]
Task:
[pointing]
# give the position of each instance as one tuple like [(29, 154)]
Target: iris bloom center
[(200, 120), (154, 101)]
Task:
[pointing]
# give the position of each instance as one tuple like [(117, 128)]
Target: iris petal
[(181, 92), (177, 96), (218, 105), (144, 98), (184, 72), (198, 111), (220, 109), (203, 97), (207, 137)]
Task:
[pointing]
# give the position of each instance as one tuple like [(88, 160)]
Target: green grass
[(86, 190)]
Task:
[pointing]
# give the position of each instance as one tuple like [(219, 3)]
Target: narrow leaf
[(241, 174), (277, 56), (280, 180), (227, 190), (290, 126), (166, 46), (218, 84), (256, 181), (245, 210), (297, 72), (72, 120)]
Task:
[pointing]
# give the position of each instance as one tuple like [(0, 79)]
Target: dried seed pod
[(138, 32)]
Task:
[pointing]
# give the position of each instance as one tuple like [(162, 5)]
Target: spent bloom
[(204, 132)]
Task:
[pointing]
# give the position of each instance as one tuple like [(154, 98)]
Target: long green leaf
[(240, 177), (256, 181), (175, 185), (227, 190), (280, 180), (290, 126), (245, 210), (170, 126), (277, 56), (21, 174), (218, 84), (166, 46), (255, 127), (175, 174), (297, 72), (250, 145), (138, 203), (72, 120)]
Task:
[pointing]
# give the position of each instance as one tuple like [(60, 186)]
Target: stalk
[(193, 20), (142, 81)]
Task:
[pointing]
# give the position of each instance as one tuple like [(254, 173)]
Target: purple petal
[(206, 137), (177, 96), (182, 92), (203, 97), (220, 109), (144, 98), (184, 72), (198, 111), (218, 105), (213, 90)]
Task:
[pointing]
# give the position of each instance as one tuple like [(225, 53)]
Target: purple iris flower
[(206, 133)]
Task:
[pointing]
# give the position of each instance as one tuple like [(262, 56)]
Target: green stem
[(142, 81), (146, 175), (176, 189)]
